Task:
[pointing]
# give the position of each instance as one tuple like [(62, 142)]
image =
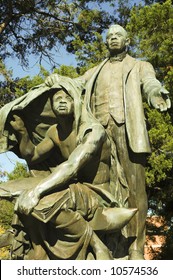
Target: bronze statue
[(62, 212), (113, 93)]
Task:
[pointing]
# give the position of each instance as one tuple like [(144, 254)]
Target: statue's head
[(117, 39), (66, 100), (62, 103)]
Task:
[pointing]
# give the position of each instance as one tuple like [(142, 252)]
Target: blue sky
[(8, 161), (61, 57)]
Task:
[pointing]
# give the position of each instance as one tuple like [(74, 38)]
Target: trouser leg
[(138, 199), (133, 165)]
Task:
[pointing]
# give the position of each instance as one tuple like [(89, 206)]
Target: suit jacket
[(138, 77)]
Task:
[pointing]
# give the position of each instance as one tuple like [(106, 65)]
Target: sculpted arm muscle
[(41, 151), (148, 78), (36, 154), (84, 152), (156, 94), (28, 150)]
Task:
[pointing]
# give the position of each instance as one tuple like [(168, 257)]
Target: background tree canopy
[(39, 28)]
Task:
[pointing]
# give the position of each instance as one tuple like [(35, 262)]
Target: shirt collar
[(118, 57)]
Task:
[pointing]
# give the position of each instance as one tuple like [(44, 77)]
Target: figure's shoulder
[(89, 73), (128, 58), (137, 61), (95, 130), (138, 65)]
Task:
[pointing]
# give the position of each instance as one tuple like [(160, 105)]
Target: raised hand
[(18, 124), (52, 79)]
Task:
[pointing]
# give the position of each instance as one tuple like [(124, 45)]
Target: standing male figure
[(114, 95)]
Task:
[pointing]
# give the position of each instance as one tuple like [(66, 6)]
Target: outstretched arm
[(30, 152), (157, 95)]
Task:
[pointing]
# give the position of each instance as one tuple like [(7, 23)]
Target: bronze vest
[(108, 93)]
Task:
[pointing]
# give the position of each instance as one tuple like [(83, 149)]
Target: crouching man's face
[(62, 103)]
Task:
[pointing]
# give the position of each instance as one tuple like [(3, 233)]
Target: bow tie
[(118, 57)]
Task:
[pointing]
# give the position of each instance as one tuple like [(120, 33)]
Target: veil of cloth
[(36, 111)]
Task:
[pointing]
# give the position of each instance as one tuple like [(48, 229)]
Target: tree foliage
[(6, 85), (39, 27), (7, 207), (151, 31), (12, 88), (6, 213), (160, 163), (68, 71), (36, 27), (20, 171)]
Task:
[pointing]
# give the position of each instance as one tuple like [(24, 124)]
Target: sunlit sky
[(61, 57)]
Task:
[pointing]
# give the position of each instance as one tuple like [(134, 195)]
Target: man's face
[(116, 39), (63, 103)]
